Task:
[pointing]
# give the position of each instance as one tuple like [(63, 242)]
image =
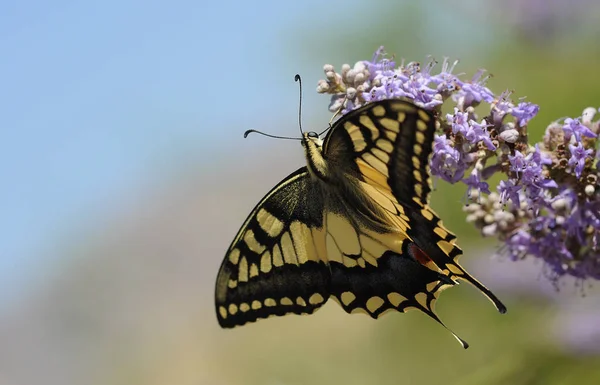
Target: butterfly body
[(353, 224)]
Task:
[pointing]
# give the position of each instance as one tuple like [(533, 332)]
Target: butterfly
[(354, 225)]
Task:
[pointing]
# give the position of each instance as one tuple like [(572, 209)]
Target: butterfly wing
[(275, 265), (386, 147)]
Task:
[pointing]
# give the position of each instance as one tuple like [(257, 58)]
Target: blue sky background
[(96, 97)]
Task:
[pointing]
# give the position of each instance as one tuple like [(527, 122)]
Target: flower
[(447, 162), (474, 92), (578, 156), (546, 205), (509, 191), (575, 127), (517, 162), (460, 121), (478, 133), (474, 182), (525, 112)]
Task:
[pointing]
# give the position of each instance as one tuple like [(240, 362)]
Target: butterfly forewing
[(388, 144), (274, 265)]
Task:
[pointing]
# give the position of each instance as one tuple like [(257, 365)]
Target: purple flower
[(502, 107), (509, 190), (578, 157), (517, 162), (524, 112), (446, 81), (478, 133), (460, 121), (474, 182), (519, 243), (539, 157), (446, 162), (380, 64), (575, 127), (475, 91)]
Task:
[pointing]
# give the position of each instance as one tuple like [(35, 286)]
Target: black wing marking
[(276, 264)]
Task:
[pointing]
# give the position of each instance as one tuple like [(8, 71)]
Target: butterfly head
[(311, 138)]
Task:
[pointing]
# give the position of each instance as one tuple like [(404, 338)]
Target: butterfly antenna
[(299, 80), (248, 132)]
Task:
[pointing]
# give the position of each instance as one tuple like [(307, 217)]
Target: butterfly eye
[(313, 135)]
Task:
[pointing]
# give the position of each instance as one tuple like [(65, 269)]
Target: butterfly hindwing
[(398, 282), (274, 265), (374, 272)]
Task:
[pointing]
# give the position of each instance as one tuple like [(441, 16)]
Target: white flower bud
[(489, 218), (559, 204), (589, 190), (509, 136), (588, 115), (489, 230), (322, 86), (359, 78), (328, 68)]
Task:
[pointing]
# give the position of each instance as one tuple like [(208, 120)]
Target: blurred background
[(125, 176)]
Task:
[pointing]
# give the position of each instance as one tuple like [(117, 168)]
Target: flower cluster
[(547, 204)]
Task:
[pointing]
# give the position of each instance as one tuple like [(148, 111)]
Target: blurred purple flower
[(578, 329)]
